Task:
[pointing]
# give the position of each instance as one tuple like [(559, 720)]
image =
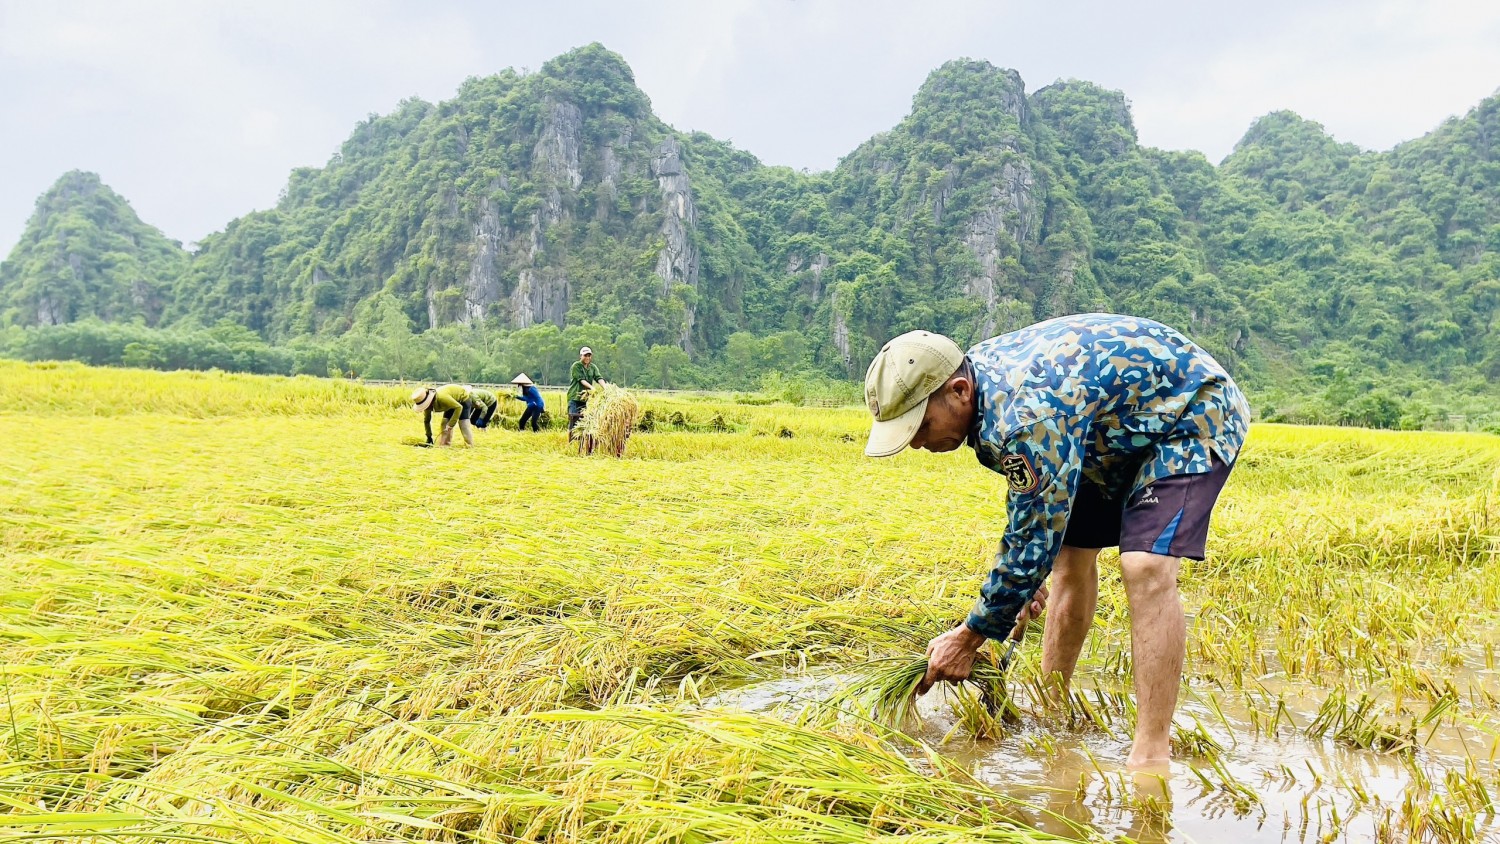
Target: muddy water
[(1256, 788)]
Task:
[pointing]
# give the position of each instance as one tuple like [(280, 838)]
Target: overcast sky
[(196, 111)]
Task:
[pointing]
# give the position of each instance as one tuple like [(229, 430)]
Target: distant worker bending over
[(485, 403), (582, 377), (534, 404), (454, 403), (1110, 430)]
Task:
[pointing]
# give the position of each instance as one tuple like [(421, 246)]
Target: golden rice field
[(236, 608)]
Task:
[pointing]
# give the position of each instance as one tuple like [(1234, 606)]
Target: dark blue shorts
[(1169, 517)]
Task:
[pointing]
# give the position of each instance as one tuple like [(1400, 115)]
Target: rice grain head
[(609, 418)]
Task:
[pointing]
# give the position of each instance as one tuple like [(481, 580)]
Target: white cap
[(585, 351)]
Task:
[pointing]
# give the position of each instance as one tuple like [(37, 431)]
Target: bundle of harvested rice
[(885, 690), (608, 419)]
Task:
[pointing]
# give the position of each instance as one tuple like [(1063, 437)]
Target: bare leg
[(446, 437), (1070, 612), (463, 428), (1158, 646)]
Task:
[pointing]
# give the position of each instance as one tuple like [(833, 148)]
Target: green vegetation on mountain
[(534, 213), (85, 254)]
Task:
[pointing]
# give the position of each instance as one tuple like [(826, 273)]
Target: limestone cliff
[(557, 198), (541, 291), (677, 263)]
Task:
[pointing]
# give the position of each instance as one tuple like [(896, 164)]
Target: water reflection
[(1245, 784)]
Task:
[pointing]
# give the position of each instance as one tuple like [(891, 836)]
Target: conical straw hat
[(521, 379)]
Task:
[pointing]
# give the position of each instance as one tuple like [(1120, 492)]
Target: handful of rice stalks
[(887, 690), (608, 418)]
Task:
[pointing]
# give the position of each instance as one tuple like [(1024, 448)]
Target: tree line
[(389, 349)]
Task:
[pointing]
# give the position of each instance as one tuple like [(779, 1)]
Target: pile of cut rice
[(608, 418)]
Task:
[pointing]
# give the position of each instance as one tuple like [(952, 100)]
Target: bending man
[(1110, 430), (485, 403), (453, 400)]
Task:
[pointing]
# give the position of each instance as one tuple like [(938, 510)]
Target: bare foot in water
[(1148, 764)]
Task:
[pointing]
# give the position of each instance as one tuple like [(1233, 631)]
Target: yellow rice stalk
[(283, 626), (608, 419)]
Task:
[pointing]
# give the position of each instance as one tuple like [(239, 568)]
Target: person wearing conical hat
[(454, 403), (534, 404)]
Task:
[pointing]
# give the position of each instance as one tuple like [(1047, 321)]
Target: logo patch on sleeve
[(1018, 471)]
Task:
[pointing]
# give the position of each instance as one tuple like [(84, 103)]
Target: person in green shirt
[(581, 378), (485, 404), (457, 408)]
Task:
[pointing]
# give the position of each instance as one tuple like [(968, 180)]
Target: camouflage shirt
[(1118, 401)]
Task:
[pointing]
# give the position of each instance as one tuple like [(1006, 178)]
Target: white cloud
[(197, 111), (1388, 75), (207, 107), (260, 127)]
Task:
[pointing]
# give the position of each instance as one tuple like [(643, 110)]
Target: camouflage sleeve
[(1042, 464)]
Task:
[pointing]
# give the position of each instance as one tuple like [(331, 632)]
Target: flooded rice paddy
[(238, 609)]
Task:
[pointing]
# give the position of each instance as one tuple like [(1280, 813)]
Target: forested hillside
[(86, 254), (499, 230)]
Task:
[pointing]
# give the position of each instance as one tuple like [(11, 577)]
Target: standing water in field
[(1293, 764), (250, 630)]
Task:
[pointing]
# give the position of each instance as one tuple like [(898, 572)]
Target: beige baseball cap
[(900, 379)]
